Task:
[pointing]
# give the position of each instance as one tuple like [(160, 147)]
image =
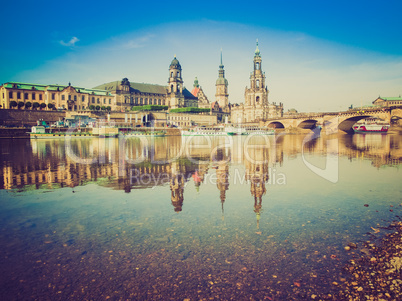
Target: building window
[(257, 83), (40, 96), (110, 101), (131, 100), (93, 99), (19, 95), (257, 66), (257, 99), (159, 102), (146, 101), (83, 98), (33, 96), (25, 96), (140, 101), (75, 97), (62, 97), (97, 100), (178, 74), (104, 101), (171, 74), (10, 94), (136, 100)]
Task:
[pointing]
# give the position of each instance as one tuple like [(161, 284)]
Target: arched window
[(171, 74), (257, 83), (257, 66), (75, 97), (171, 88), (257, 99), (178, 73)]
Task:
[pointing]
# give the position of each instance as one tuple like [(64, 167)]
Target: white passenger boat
[(368, 128), (204, 131)]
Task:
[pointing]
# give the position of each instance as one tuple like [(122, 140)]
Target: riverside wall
[(28, 118)]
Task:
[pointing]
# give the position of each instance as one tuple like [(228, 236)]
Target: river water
[(176, 218)]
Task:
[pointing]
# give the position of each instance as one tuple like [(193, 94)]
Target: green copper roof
[(257, 51), (391, 98), (40, 87)]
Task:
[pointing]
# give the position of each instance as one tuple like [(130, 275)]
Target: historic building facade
[(60, 97), (174, 95), (388, 101), (256, 106), (197, 91)]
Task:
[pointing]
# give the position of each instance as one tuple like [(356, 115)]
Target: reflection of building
[(256, 106), (221, 158), (257, 172)]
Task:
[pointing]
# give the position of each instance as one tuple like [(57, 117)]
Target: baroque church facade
[(256, 106), (174, 95)]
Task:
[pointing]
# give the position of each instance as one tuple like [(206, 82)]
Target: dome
[(222, 81), (175, 63)]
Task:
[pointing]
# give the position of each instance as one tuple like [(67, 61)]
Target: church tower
[(175, 85), (256, 97), (222, 95)]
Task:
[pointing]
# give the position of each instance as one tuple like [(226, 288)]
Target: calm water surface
[(173, 218)]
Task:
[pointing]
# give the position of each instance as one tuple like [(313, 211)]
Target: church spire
[(257, 51)]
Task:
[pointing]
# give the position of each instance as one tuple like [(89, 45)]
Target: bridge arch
[(275, 125), (308, 124), (347, 124)]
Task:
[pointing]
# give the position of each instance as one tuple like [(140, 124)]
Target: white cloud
[(70, 43)]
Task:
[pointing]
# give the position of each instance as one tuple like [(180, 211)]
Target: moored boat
[(366, 128), (39, 132), (204, 131)]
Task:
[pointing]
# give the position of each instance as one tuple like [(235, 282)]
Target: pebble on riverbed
[(377, 273)]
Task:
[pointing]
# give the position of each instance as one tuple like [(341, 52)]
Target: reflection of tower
[(222, 157), (257, 174), (177, 181)]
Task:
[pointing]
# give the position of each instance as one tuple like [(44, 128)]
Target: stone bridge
[(336, 120)]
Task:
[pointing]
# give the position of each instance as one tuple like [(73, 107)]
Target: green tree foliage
[(190, 110), (92, 107), (28, 104), (13, 104), (108, 108), (149, 108), (97, 108), (20, 104), (50, 106), (42, 105), (35, 105)]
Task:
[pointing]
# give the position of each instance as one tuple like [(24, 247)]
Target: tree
[(35, 105), (42, 105), (20, 104), (13, 104), (50, 106), (92, 107), (97, 108), (108, 108), (28, 104), (103, 108)]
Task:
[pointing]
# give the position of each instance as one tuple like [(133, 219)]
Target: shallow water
[(174, 218)]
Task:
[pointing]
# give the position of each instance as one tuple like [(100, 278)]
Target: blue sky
[(317, 55)]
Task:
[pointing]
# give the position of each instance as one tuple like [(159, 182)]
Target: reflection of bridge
[(334, 121)]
